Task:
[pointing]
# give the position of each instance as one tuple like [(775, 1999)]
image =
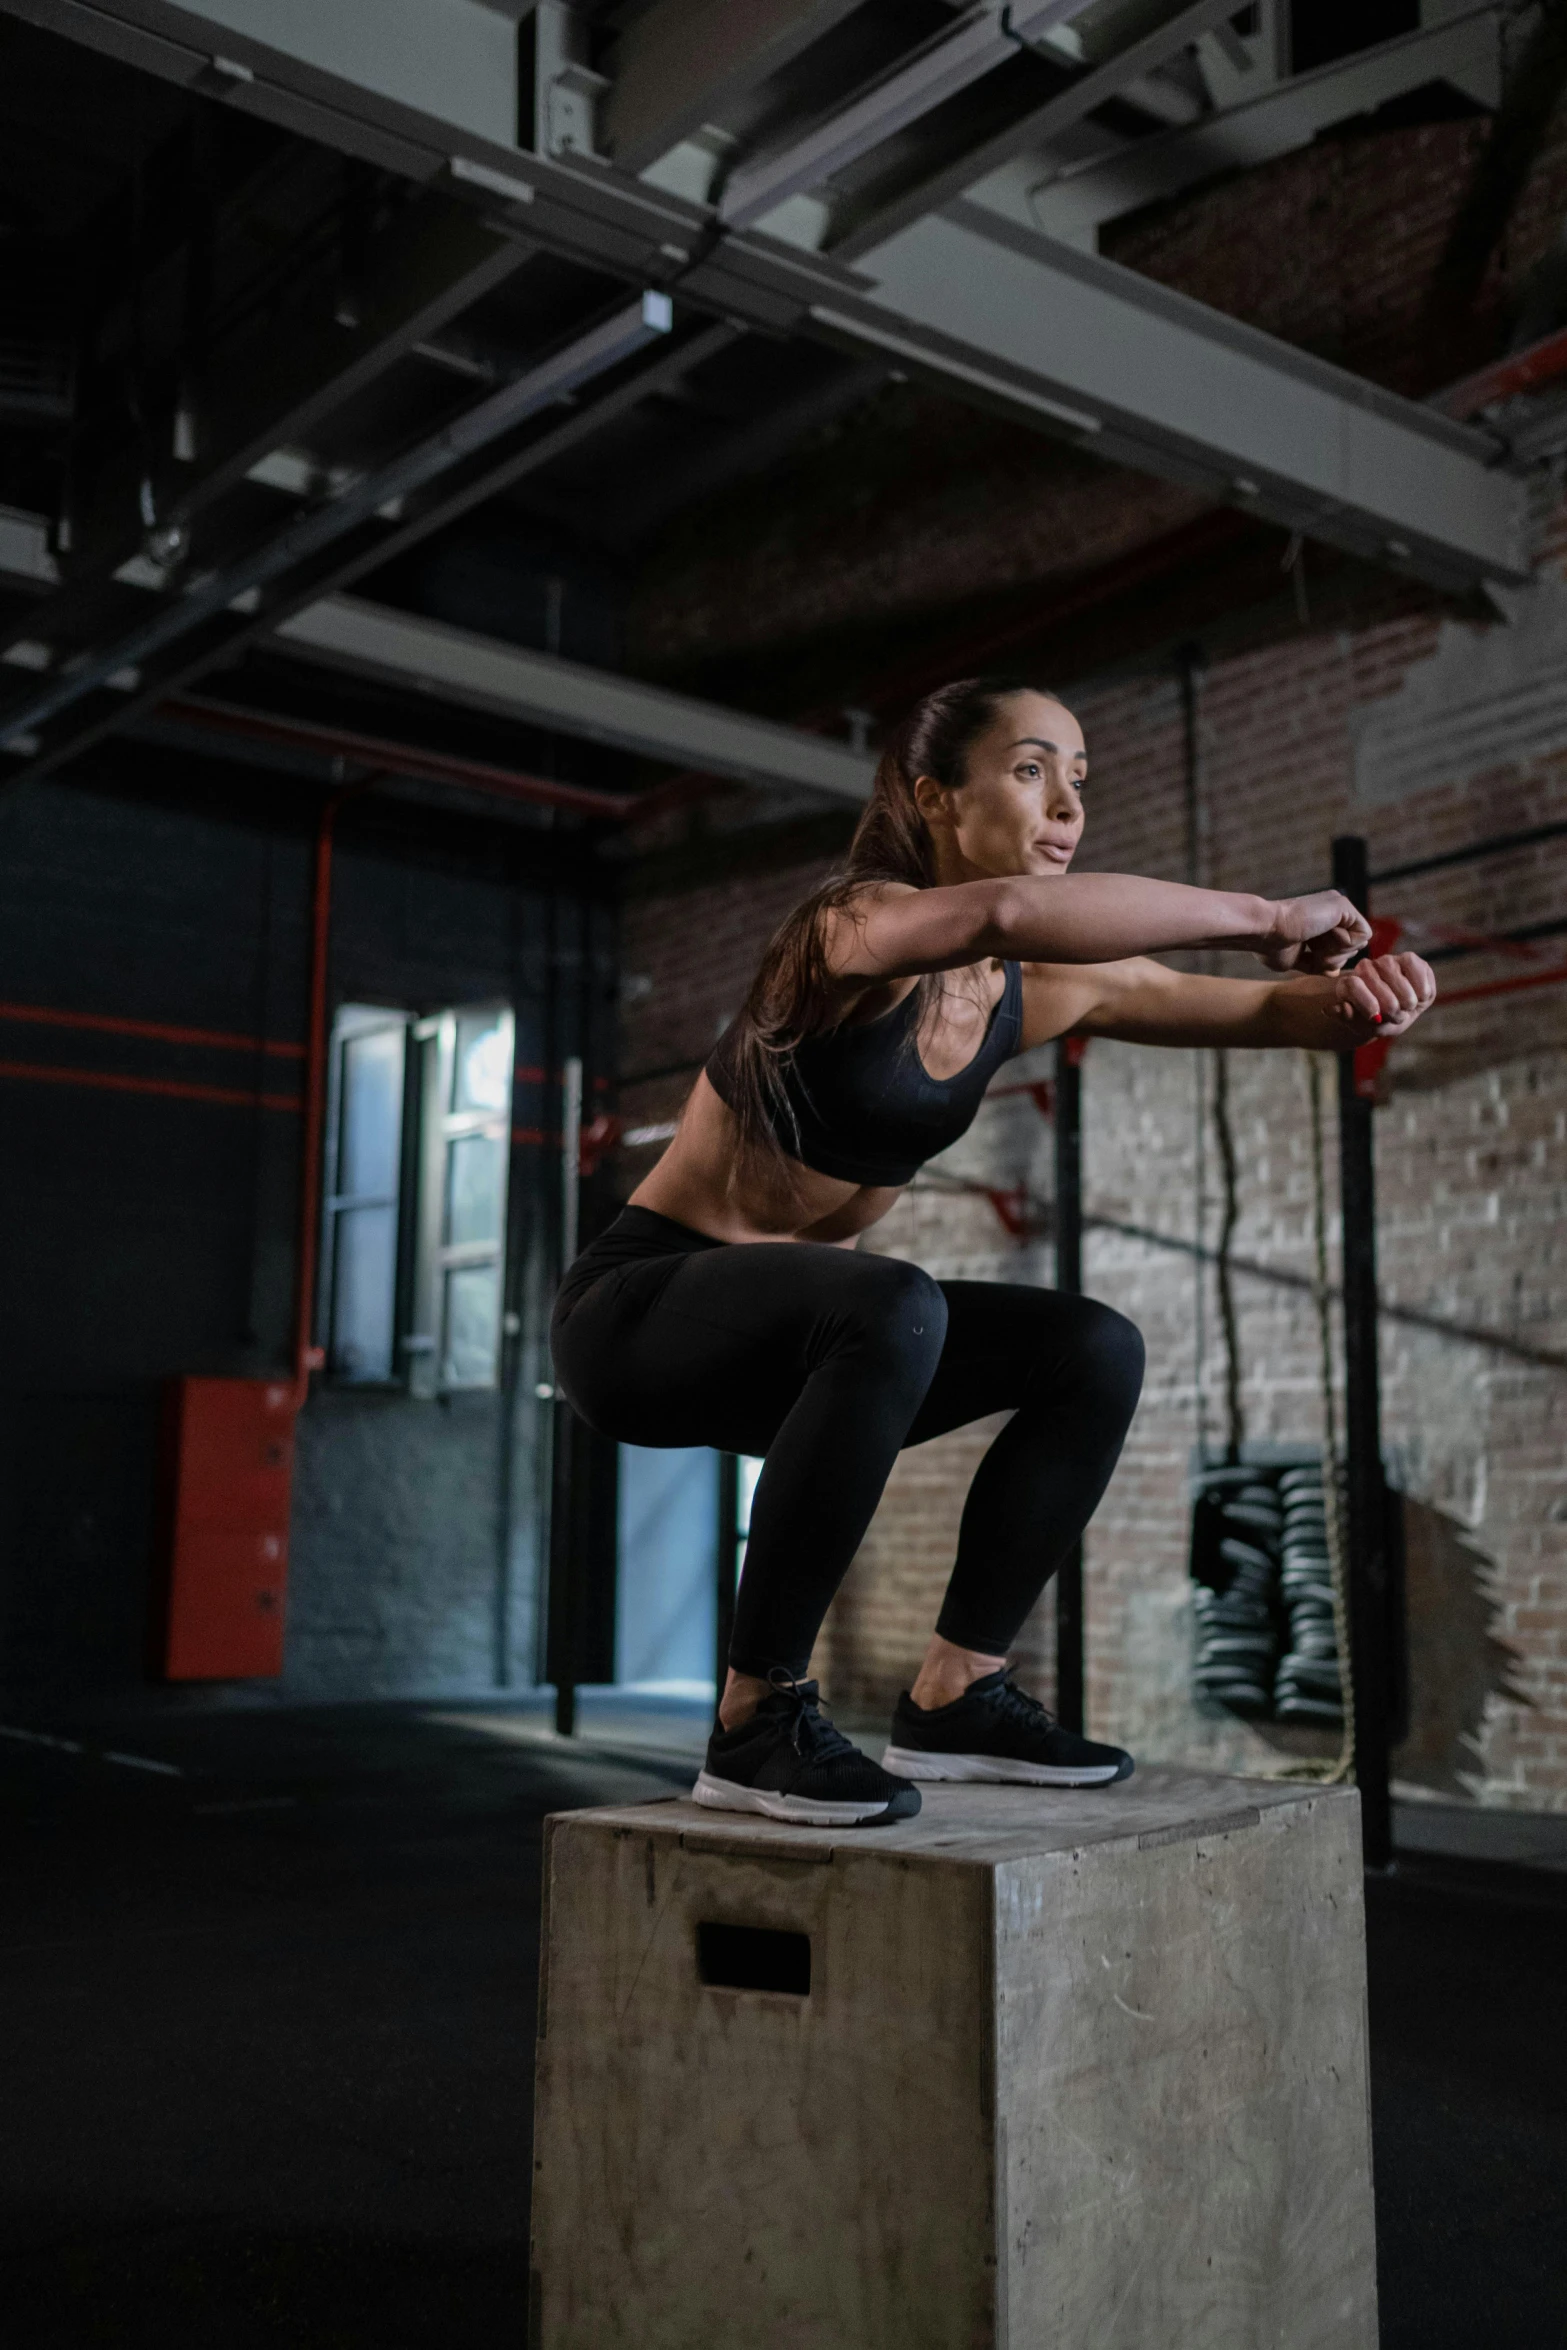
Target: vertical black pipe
[(565, 1488), (577, 1448), (1190, 664), (201, 205), (728, 1551), (563, 1637), (1365, 1496), (512, 1293), (1069, 1279)]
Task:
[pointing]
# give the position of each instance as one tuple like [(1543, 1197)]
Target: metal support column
[(1365, 1495), (565, 1529), (561, 1651), (1069, 1279), (727, 1550)]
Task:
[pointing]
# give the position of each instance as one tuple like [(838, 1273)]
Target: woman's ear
[(930, 797)]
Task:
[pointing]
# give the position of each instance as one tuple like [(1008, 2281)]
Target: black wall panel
[(144, 1233)]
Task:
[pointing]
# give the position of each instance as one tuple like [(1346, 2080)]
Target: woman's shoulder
[(843, 914), (851, 897)]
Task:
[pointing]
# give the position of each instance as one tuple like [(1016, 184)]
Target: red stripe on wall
[(219, 1039), (172, 1088), (45, 1015), (1489, 987)]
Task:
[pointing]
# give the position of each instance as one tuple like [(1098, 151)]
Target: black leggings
[(827, 1362)]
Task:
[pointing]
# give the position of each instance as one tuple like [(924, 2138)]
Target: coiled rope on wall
[(1342, 1769)]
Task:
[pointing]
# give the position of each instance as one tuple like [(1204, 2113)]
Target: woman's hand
[(1382, 997), (1315, 934)]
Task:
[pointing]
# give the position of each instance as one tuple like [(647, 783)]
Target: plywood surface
[(1074, 2071), (984, 1825)]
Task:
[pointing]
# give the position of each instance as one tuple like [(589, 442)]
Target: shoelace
[(811, 1733), (1017, 1706)]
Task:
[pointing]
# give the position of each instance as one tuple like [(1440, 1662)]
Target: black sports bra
[(866, 1109)]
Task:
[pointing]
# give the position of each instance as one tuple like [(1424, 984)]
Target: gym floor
[(267, 1978)]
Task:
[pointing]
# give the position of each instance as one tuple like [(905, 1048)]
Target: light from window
[(465, 1159), (362, 1193)]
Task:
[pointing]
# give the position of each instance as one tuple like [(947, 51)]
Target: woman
[(727, 1305)]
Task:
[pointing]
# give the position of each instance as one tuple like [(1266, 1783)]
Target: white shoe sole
[(801, 1811), (908, 1762)]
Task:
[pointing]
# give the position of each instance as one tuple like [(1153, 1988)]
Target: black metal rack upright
[(1069, 1279), (1372, 1587), (727, 1555)]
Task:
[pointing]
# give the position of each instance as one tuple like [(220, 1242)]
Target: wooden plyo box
[(1073, 2071)]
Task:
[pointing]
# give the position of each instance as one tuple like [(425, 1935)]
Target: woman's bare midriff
[(696, 1183)]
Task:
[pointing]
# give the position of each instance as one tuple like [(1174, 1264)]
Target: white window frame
[(353, 1021), (426, 1347)]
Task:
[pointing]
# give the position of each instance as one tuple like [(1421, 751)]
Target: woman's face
[(1020, 808)]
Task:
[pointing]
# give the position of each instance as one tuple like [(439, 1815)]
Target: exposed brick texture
[(1332, 248)]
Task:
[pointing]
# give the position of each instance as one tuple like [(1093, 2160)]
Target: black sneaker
[(993, 1732), (789, 1763)]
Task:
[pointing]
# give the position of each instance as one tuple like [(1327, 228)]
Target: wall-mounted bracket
[(567, 91)]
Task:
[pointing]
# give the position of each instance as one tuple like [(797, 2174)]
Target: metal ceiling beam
[(1147, 377), (682, 61), (730, 456), (218, 644), (199, 49), (218, 725), (1100, 355), (1463, 50), (1039, 125), (206, 600), (276, 389), (594, 705), (988, 36)]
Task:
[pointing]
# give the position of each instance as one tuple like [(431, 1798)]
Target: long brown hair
[(792, 996)]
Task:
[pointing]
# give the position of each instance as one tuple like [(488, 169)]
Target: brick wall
[(1333, 248)]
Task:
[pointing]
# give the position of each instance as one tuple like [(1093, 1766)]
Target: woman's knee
[(1109, 1356), (895, 1311)]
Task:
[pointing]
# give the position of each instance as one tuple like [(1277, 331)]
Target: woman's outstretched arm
[(898, 931), (1143, 1002)]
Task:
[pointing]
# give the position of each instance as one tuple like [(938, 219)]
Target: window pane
[(475, 1188), (364, 1280), (665, 1595), (473, 1297), (372, 1115), (745, 1493), (483, 1074)]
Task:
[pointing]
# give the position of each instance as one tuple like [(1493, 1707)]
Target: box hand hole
[(754, 1958)]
